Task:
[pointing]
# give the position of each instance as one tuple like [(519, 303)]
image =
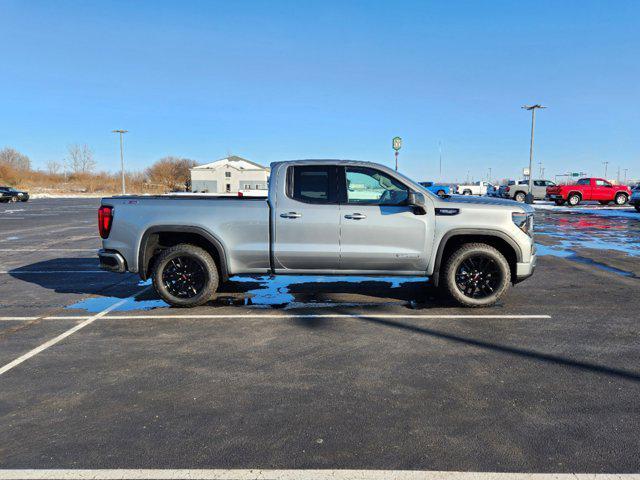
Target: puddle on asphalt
[(269, 292), (579, 230), (595, 232)]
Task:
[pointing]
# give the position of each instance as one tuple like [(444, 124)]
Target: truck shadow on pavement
[(82, 275)]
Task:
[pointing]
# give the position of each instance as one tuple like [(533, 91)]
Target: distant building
[(229, 175)]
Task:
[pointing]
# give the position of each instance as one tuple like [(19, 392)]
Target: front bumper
[(634, 200), (525, 269), (112, 261)]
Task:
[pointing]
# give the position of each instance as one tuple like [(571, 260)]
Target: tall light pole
[(440, 151), (625, 175), (121, 132), (606, 165), (529, 197)]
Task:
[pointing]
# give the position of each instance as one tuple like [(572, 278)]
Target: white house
[(228, 175)]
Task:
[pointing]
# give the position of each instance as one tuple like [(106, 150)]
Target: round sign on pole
[(397, 143)]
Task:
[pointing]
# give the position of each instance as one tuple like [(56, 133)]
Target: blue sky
[(274, 80)]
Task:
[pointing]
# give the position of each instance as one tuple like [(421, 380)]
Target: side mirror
[(415, 199)]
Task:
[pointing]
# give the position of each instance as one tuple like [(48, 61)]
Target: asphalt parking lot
[(319, 373)]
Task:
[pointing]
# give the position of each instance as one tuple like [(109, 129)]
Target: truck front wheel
[(185, 276), (476, 275), (621, 199)]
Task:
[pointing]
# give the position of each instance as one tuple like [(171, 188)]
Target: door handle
[(290, 215), (355, 216)]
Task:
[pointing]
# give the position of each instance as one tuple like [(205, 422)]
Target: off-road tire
[(196, 254), (573, 200), (466, 192), (621, 199), (455, 261), (13, 199), (520, 197)]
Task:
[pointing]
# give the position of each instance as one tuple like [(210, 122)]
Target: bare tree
[(10, 156), (172, 172), (80, 158), (54, 167)]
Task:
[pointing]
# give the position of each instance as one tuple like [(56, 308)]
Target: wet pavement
[(320, 372)]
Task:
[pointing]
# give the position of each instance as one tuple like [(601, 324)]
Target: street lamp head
[(532, 107), (119, 131)]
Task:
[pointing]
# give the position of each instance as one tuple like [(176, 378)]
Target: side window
[(313, 184), (583, 181), (538, 183), (602, 183), (368, 186)]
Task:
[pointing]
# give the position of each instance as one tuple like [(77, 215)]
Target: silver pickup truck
[(321, 217)]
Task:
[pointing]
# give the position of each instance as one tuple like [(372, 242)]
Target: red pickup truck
[(589, 189)]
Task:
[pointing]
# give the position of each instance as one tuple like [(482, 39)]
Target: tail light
[(105, 219), (507, 189)]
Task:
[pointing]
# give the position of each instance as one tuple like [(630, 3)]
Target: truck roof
[(325, 161)]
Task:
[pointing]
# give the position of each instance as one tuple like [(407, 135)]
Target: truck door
[(379, 231), (586, 187), (307, 220), (602, 190)]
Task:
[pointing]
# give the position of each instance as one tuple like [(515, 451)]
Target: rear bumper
[(112, 261)]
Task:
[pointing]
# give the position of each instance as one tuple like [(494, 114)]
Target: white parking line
[(66, 334), (257, 474), (48, 249), (40, 272), (278, 316)]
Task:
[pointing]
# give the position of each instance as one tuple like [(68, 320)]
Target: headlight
[(524, 221)]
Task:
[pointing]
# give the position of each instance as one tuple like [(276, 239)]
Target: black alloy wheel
[(478, 276), (184, 277)]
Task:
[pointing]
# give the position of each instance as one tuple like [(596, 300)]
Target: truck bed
[(240, 225)]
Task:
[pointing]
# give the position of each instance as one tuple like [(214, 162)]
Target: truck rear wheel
[(476, 275), (519, 197), (573, 199), (185, 276)]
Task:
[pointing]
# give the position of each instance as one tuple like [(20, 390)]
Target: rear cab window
[(312, 183)]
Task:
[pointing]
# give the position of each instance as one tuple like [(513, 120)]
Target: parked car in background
[(518, 191), (438, 189), (476, 188), (492, 191), (322, 217), (635, 198), (9, 194), (587, 189)]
